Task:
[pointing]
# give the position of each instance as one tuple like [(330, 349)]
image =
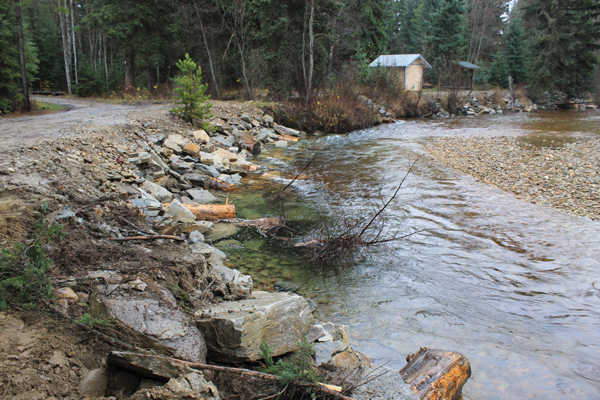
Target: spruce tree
[(10, 91), (565, 38), (497, 73), (191, 103), (446, 38), (516, 61)]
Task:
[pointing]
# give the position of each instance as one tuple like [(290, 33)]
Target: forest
[(249, 48)]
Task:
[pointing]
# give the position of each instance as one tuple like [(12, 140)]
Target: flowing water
[(513, 286)]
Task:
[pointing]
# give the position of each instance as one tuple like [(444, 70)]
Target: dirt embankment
[(65, 160)]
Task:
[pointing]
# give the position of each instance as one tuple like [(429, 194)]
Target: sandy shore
[(566, 178)]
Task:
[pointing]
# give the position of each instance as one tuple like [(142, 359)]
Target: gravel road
[(80, 115)]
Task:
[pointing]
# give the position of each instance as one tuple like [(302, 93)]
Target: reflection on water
[(513, 286)]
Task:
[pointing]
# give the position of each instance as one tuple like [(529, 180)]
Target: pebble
[(566, 177)]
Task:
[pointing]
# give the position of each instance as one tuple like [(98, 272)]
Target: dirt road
[(80, 116)]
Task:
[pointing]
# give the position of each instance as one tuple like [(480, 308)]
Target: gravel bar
[(566, 178)]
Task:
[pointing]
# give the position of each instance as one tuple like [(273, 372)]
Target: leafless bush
[(342, 238)]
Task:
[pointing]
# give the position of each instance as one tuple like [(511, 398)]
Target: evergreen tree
[(516, 52), (447, 42), (191, 102), (447, 31), (565, 38), (497, 73), (11, 93)]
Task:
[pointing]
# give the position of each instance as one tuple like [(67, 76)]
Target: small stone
[(281, 144), (202, 136), (62, 307), (174, 147), (58, 359), (94, 383), (68, 294), (83, 297), (192, 149), (196, 237)]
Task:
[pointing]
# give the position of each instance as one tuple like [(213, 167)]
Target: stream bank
[(128, 257)]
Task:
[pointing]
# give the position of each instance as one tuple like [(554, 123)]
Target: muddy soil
[(44, 358)]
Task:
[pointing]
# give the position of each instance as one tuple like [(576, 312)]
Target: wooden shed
[(407, 67)]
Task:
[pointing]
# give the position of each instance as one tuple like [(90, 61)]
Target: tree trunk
[(66, 44), (26, 102), (311, 45), (436, 374), (330, 65), (151, 78), (129, 69), (211, 212), (244, 74), (74, 42), (105, 61), (210, 61)]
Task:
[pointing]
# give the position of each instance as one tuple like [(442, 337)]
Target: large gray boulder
[(160, 193), (282, 130), (154, 317), (235, 285), (234, 331)]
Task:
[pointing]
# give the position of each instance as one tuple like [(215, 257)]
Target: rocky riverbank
[(565, 177), (136, 268)]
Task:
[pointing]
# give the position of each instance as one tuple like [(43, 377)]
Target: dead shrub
[(337, 110), (388, 91)]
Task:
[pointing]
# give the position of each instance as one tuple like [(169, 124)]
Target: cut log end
[(436, 374)]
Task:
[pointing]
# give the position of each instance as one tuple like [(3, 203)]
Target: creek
[(513, 286)]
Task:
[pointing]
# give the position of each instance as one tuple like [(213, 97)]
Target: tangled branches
[(334, 242)]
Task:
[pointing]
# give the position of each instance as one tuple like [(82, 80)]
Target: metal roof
[(398, 60), (467, 65)]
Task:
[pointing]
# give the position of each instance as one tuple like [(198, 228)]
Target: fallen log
[(166, 367), (288, 138), (210, 212), (214, 183), (436, 374), (151, 237), (247, 142)]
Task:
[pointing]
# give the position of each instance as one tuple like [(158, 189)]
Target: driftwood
[(150, 365), (212, 212), (151, 237), (266, 226), (336, 242), (436, 374), (214, 183), (247, 142), (288, 138)]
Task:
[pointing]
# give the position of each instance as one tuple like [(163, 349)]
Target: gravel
[(566, 178)]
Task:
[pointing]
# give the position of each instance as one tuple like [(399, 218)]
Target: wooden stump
[(436, 374)]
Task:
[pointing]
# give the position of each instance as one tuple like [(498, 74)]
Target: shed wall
[(414, 76)]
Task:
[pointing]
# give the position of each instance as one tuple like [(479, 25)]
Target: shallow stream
[(513, 286)]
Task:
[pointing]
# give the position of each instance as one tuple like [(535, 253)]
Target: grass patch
[(92, 322), (300, 366), (44, 106)]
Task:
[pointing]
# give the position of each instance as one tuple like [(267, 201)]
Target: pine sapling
[(191, 102)]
